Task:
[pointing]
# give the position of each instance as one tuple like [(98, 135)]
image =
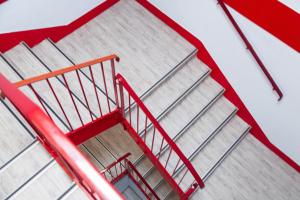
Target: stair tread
[(205, 160), (144, 59), (98, 151), (50, 184), (163, 190), (204, 126), (120, 143), (13, 138), (172, 88), (55, 60), (23, 168), (23, 61), (75, 194)]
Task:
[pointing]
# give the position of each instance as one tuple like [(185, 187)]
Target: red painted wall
[(33, 37), (273, 16)]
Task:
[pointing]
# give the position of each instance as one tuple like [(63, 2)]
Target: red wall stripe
[(273, 16), (33, 37), (218, 75)]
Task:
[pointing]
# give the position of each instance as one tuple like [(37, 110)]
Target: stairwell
[(164, 72)]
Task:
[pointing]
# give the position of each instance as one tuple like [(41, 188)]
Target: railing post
[(113, 71), (122, 106)]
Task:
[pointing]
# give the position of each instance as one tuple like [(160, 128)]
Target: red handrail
[(251, 49), (64, 151), (165, 137), (70, 76), (123, 166)]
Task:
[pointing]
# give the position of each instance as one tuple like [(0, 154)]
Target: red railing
[(121, 167), (85, 100), (251, 49), (152, 138), (59, 145), (80, 94)]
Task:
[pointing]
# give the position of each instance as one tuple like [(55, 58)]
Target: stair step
[(183, 112), (22, 169), (168, 97), (205, 126), (226, 154), (97, 152), (163, 189), (22, 61), (205, 161), (53, 59), (74, 194), (176, 85), (145, 59), (171, 195), (48, 184), (13, 138)]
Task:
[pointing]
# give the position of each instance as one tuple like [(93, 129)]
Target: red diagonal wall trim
[(273, 16), (230, 94), (33, 37)]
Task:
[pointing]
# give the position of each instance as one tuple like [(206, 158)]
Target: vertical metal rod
[(162, 142), (154, 129), (122, 100), (176, 166), (58, 102), (121, 168), (39, 99), (113, 72), (105, 86), (168, 157), (137, 118), (116, 170), (95, 90), (72, 98), (183, 176), (129, 108), (84, 95), (145, 129)]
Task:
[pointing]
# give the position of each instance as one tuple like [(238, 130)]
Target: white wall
[(279, 120), (18, 15)]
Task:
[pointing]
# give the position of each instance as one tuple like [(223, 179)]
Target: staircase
[(173, 85)]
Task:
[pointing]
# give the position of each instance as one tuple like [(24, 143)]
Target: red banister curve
[(251, 49), (81, 170), (166, 137)]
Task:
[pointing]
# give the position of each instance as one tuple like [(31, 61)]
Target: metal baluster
[(113, 71), (58, 102), (72, 98), (154, 131), (84, 94), (39, 99), (95, 90), (105, 86)]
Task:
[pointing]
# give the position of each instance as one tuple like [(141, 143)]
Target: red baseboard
[(218, 75), (273, 16), (33, 37)]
